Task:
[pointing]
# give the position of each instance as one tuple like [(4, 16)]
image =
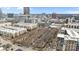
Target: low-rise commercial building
[(5, 23), (68, 40), (29, 26), (53, 25), (72, 25), (11, 31)]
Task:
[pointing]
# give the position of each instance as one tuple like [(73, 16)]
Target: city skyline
[(39, 10)]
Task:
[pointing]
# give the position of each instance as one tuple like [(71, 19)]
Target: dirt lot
[(39, 39)]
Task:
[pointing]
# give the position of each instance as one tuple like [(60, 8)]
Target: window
[(74, 26), (77, 27), (69, 26)]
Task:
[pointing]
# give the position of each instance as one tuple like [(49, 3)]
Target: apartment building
[(67, 40)]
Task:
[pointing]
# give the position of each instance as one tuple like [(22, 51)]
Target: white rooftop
[(61, 35), (66, 37), (72, 24), (25, 24), (55, 25), (11, 29), (72, 34)]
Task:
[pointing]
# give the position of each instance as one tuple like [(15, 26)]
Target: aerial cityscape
[(39, 29)]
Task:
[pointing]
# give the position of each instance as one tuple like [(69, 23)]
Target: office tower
[(26, 10), (54, 15), (10, 15), (0, 13)]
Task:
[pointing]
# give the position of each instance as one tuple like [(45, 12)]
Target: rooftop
[(11, 29)]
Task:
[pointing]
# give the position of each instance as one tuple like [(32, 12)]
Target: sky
[(39, 10)]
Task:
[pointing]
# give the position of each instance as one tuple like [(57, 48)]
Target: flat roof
[(66, 37), (60, 35), (27, 25), (72, 24), (10, 29), (72, 33), (70, 38)]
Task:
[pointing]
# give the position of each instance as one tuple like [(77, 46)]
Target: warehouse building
[(29, 26), (72, 25), (53, 25), (11, 31), (5, 23)]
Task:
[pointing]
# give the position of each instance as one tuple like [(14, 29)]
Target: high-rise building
[(54, 15), (0, 13), (10, 15), (26, 10)]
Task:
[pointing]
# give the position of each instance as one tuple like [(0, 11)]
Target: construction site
[(38, 32), (39, 39)]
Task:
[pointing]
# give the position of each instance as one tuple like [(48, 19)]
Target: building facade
[(67, 40), (26, 10)]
